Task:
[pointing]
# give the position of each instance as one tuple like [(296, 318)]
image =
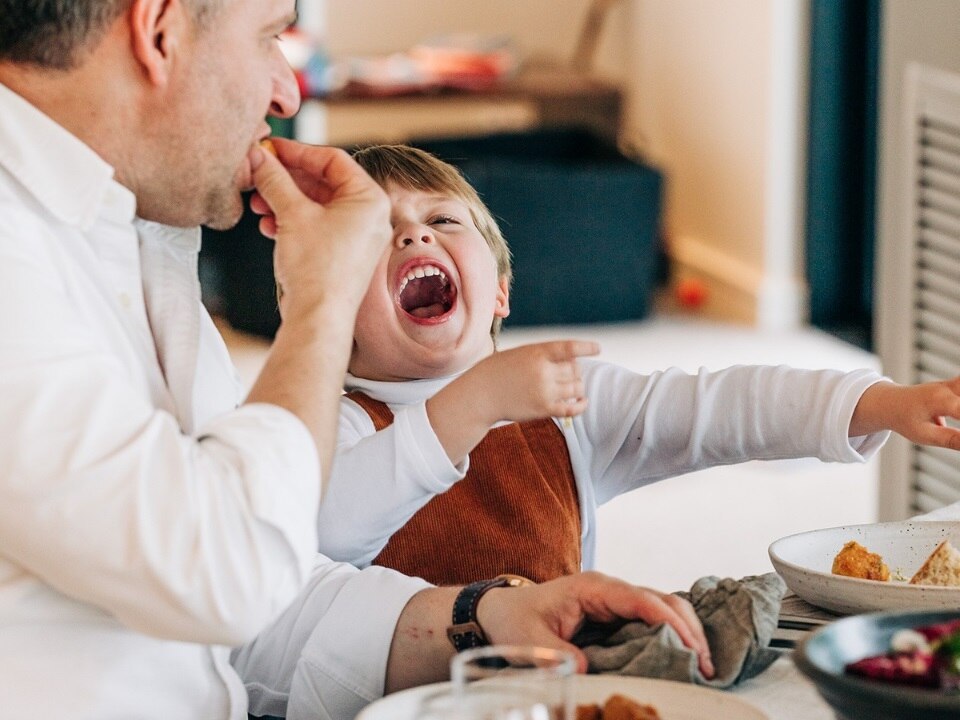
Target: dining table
[(783, 693)]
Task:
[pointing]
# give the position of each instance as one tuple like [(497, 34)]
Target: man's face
[(230, 76), (434, 295)]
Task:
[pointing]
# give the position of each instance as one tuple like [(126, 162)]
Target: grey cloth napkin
[(738, 616)]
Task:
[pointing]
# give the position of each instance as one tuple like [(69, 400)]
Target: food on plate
[(617, 707), (854, 560), (927, 656), (941, 568)]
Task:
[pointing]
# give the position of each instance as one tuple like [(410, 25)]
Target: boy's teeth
[(419, 272)]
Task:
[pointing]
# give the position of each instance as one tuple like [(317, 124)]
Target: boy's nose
[(406, 239)]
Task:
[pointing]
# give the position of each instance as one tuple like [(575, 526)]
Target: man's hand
[(331, 224), (330, 220), (546, 615), (549, 615), (525, 383), (917, 412)]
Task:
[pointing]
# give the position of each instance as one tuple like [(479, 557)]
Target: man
[(148, 520)]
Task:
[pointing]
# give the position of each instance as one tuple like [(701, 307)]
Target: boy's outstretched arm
[(917, 412), (525, 383)]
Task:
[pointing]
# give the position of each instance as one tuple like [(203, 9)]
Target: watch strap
[(465, 632)]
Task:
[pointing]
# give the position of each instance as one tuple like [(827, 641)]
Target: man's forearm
[(420, 652), (305, 368)]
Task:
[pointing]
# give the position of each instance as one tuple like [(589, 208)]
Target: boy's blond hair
[(414, 169)]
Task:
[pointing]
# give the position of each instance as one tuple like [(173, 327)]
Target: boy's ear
[(157, 28), (503, 298)]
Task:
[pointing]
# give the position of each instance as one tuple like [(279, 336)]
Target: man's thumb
[(273, 182)]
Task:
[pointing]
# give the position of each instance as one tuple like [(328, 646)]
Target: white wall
[(926, 31), (713, 94), (717, 100)]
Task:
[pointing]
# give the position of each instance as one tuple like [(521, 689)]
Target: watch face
[(515, 580)]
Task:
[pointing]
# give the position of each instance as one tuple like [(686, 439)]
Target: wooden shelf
[(537, 97)]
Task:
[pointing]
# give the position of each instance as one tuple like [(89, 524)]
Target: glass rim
[(561, 661)]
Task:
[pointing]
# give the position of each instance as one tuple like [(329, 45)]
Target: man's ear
[(157, 27), (503, 298)]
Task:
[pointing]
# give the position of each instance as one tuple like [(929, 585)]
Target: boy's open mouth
[(425, 292)]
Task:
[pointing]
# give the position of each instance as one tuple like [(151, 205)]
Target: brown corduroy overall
[(516, 511)]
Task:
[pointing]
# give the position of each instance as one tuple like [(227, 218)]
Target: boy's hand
[(525, 383), (917, 412), (532, 381)]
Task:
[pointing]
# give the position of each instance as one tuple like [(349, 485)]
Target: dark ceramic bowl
[(822, 656)]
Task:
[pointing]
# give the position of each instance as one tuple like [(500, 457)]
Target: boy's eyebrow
[(443, 197)]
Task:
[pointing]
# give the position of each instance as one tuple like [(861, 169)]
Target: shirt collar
[(65, 175), (402, 392)]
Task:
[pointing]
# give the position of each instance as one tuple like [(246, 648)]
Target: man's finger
[(330, 167), (274, 184)]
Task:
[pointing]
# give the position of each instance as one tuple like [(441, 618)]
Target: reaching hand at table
[(917, 412), (547, 615)]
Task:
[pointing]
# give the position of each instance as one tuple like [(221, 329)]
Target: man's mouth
[(425, 292)]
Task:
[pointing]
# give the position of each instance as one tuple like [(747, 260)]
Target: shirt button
[(125, 300)]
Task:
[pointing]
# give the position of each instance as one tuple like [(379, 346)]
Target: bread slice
[(941, 568)]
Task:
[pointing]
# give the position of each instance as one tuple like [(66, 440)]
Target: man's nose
[(285, 100)]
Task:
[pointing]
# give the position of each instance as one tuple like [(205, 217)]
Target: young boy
[(458, 462)]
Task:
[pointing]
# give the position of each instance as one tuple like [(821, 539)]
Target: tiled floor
[(718, 521)]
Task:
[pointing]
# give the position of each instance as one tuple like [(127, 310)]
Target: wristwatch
[(465, 632)]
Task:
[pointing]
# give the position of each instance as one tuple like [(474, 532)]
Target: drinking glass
[(506, 682)]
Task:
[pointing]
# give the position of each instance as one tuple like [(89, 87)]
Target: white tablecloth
[(784, 694)]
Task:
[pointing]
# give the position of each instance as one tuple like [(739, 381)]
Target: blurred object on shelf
[(458, 62), (317, 75)]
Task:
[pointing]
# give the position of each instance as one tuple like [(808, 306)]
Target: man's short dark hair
[(55, 34)]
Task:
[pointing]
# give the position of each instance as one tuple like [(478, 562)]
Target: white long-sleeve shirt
[(637, 429), (146, 522)]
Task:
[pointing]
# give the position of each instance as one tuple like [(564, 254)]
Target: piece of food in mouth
[(941, 568), (267, 144), (854, 560), (426, 292)]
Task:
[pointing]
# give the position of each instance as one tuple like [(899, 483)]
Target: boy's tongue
[(428, 311), (426, 297)]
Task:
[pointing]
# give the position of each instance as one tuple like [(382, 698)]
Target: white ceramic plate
[(804, 561), (673, 700)]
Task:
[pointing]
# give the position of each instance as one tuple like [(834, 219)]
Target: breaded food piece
[(267, 144), (941, 568), (620, 707), (855, 561), (588, 712)]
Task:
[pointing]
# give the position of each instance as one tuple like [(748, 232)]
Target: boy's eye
[(443, 220)]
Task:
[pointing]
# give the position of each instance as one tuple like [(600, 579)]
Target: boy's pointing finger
[(566, 349)]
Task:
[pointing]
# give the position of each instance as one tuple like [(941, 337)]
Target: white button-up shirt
[(147, 523)]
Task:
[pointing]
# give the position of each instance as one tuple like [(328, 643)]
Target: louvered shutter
[(936, 310)]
